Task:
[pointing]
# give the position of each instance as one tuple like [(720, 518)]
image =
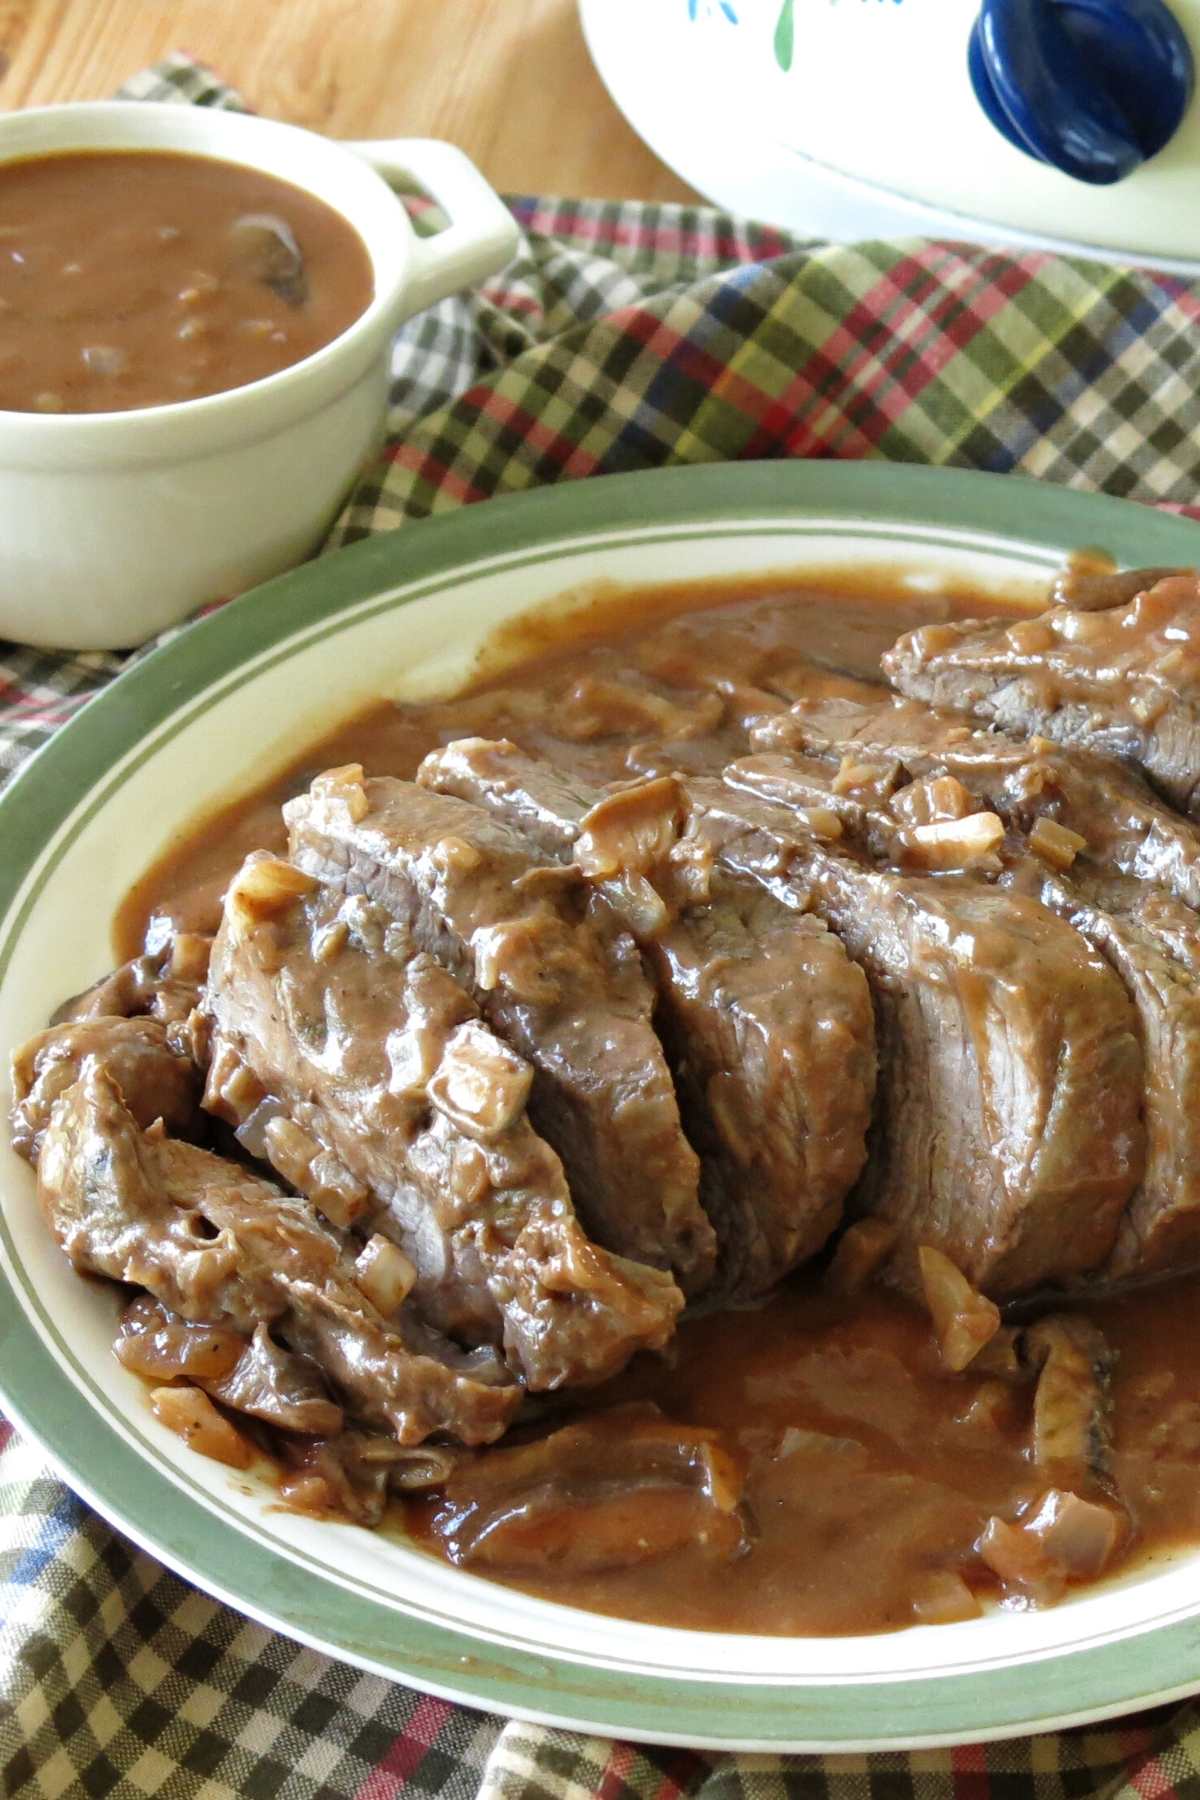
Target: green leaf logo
[(784, 36)]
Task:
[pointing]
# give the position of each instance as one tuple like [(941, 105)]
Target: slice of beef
[(1152, 940), (214, 1242), (1009, 1127), (767, 1022), (556, 981), (1124, 680), (335, 1040), (155, 1081), (1123, 823)]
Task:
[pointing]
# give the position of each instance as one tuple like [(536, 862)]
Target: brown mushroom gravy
[(138, 278), (968, 1391)]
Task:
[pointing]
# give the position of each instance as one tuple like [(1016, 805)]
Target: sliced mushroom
[(265, 248)]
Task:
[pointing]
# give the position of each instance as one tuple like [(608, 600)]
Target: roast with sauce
[(753, 1094)]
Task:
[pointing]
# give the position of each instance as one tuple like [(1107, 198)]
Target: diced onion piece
[(330, 941), (821, 821), (454, 856), (160, 1346), (931, 640), (864, 779), (932, 800), (1056, 844), (289, 1149), (1148, 708), (1084, 627), (516, 955), (864, 1248), (1020, 1561), (638, 903), (262, 887), (1030, 637), (480, 1083), (307, 1493), (993, 1407), (721, 1480), (384, 1274), (342, 788), (944, 1599), (232, 1091), (251, 1129), (956, 843), (190, 953), (630, 831), (597, 708), (329, 1184), (103, 359), (1078, 1535), (1062, 1538), (690, 866), (193, 1416), (963, 1319)]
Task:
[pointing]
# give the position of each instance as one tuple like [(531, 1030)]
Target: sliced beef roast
[(1111, 823), (360, 1068), (1124, 679), (215, 1242), (1152, 941), (556, 981), (1010, 1133), (1148, 936), (767, 1022), (1122, 822)]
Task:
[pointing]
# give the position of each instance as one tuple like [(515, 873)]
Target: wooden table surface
[(508, 80)]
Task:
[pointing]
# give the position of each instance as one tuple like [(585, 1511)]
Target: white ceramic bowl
[(114, 525)]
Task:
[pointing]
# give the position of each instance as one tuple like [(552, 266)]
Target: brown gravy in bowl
[(869, 1470), (133, 279)]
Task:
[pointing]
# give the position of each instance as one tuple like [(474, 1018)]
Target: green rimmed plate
[(215, 710)]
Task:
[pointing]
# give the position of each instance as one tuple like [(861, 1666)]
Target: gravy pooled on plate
[(137, 278)]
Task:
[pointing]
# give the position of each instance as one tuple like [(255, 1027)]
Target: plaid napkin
[(622, 337)]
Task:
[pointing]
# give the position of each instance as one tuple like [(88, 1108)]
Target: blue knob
[(1093, 87)]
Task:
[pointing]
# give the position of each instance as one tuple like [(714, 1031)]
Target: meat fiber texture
[(767, 1022), (1128, 883), (1003, 1036), (562, 986), (361, 1069), (1124, 679), (1004, 1040), (212, 1241)]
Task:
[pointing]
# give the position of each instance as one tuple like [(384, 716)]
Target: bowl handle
[(481, 235)]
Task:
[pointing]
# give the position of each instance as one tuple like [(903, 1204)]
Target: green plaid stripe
[(916, 353), (121, 1679), (621, 337), (1156, 1757)]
